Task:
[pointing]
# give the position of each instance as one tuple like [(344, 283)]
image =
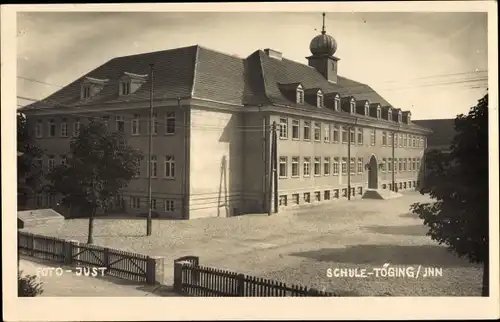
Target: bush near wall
[(28, 285)]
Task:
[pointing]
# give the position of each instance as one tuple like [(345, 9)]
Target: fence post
[(154, 270), (241, 285), (105, 255), (178, 277), (32, 244), (74, 252), (68, 252)]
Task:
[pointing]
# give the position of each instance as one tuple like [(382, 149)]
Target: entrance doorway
[(373, 173)]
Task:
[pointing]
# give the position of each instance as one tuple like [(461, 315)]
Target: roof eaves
[(196, 57)]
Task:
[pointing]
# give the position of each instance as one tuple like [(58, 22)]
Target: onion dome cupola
[(323, 47)]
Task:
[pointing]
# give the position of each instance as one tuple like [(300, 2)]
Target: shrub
[(28, 285)]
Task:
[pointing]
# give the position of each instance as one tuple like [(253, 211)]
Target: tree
[(459, 183), (29, 174), (100, 164), (28, 285)]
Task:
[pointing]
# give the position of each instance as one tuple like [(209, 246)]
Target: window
[(326, 195), (282, 200), (317, 131), (138, 169), (295, 166), (335, 166), (307, 130), (414, 164), (153, 204), (389, 114), (384, 164), (418, 165), (320, 100), (169, 205), (64, 129), (326, 166), (405, 162), (360, 165), (372, 137), (367, 110), (337, 103), (135, 125), (408, 118), (360, 136), (389, 139), (125, 88), (326, 137), (105, 122), (404, 140), (353, 107), (169, 167), (379, 113), (283, 128), (52, 163), (389, 168), (295, 199), (400, 117), (307, 197), (352, 136), (352, 166), (64, 161), (344, 166), (283, 167), (307, 167), (344, 134), (154, 121), (120, 124), (52, 128), (336, 133), (400, 165), (154, 166), (317, 196), (400, 140), (409, 140), (413, 144), (384, 138), (295, 129), (135, 202), (38, 129), (170, 123), (300, 95), (317, 166), (85, 92)]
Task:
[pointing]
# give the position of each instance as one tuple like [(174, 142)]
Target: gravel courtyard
[(299, 247)]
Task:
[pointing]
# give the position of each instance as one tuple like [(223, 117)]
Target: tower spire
[(323, 29)]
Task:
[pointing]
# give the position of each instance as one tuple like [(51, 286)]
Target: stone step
[(382, 194)]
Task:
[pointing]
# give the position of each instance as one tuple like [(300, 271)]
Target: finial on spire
[(323, 29)]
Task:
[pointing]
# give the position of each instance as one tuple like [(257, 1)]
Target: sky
[(434, 64)]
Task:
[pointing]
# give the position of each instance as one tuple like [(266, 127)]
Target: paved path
[(69, 284)]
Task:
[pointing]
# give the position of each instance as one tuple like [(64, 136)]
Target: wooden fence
[(117, 263), (192, 279)]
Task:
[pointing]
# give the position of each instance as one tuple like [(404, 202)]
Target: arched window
[(300, 95)]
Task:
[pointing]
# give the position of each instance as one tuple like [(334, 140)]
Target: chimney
[(273, 54)]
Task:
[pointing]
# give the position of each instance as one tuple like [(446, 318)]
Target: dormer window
[(408, 118), (353, 107), (300, 95), (91, 86), (129, 83), (400, 117), (379, 112), (319, 99), (337, 103), (389, 114), (125, 88), (367, 109)]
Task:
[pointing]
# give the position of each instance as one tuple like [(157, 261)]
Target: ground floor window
[(135, 202), (344, 192), (153, 204), (307, 197), (317, 196), (295, 198), (336, 193), (282, 201), (39, 200), (327, 195), (169, 205), (360, 190)]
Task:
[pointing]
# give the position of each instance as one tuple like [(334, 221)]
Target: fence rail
[(192, 279), (117, 263)]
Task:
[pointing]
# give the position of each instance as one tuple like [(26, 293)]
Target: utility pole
[(150, 148), (275, 167)]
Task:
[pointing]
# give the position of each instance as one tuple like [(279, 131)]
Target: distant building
[(443, 132), (212, 119)]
